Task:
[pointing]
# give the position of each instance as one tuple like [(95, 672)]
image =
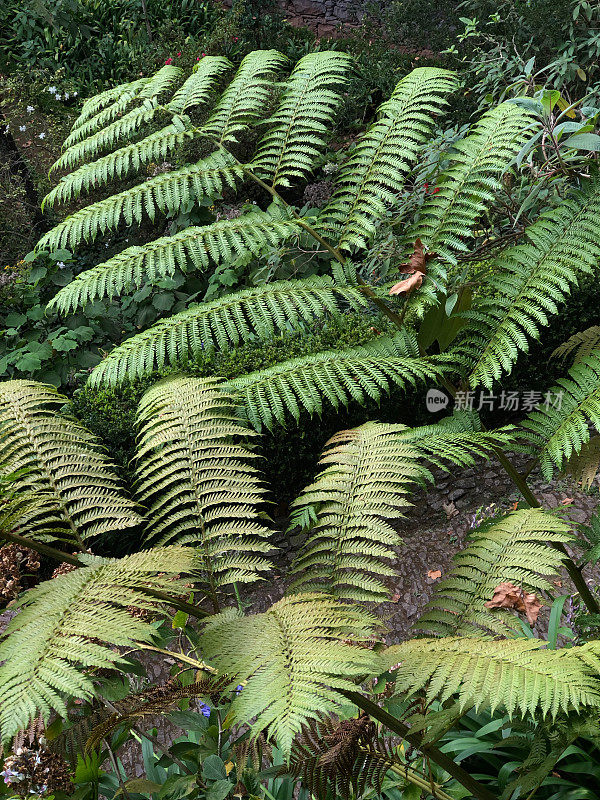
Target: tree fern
[(198, 484), (529, 282), (373, 176), (197, 89), (245, 98), (560, 426), (123, 126), (367, 475), (511, 549), (259, 312), (219, 242), (56, 456), (305, 115), (194, 92), (165, 192), (334, 377), (582, 344), (101, 109), (293, 660), (464, 190), (77, 620), (517, 675)]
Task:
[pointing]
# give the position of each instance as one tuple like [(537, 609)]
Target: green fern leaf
[(335, 377), (559, 427), (530, 281), (582, 344), (463, 192), (305, 115), (219, 242), (101, 109), (166, 192), (293, 660), (245, 98), (366, 476), (198, 484), (512, 549), (56, 456), (373, 176), (197, 89), (517, 675), (79, 619), (259, 312)]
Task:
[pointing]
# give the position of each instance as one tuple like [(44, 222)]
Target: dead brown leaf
[(407, 286), (434, 574), (417, 261), (507, 595)]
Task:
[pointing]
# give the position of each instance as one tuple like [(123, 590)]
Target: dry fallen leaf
[(417, 261), (507, 595), (406, 287), (415, 267), (566, 501), (450, 509), (395, 597), (434, 574)]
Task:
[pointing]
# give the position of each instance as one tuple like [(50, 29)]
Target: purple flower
[(205, 709), (238, 688)]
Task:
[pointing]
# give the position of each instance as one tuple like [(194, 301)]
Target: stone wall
[(324, 16)]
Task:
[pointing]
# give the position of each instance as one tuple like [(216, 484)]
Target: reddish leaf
[(417, 261), (434, 574), (507, 595), (407, 286)]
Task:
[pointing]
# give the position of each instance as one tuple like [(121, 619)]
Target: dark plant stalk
[(477, 789), (60, 556)]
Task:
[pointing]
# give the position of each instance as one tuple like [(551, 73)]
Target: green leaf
[(213, 768), (178, 786), (139, 786), (15, 320), (584, 141), (219, 790)]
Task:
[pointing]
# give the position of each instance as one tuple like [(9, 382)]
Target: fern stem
[(417, 779), (441, 759), (60, 556)]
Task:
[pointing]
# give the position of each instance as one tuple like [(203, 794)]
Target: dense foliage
[(228, 285)]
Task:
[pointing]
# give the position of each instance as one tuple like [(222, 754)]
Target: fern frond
[(464, 191), (198, 484), (516, 674), (156, 146), (218, 243), (77, 620), (260, 312), (166, 192), (530, 281), (305, 115), (293, 660), (334, 377), (197, 89), (102, 108), (246, 96), (585, 465), (366, 477), (123, 126), (582, 343), (512, 549), (118, 164), (56, 456), (371, 180), (560, 426)]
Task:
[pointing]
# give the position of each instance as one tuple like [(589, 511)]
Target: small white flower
[(66, 95), (74, 94), (41, 135), (59, 96), (61, 264), (52, 89), (30, 109), (22, 128)]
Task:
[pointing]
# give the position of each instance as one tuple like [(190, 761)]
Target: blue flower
[(205, 709), (238, 688)]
